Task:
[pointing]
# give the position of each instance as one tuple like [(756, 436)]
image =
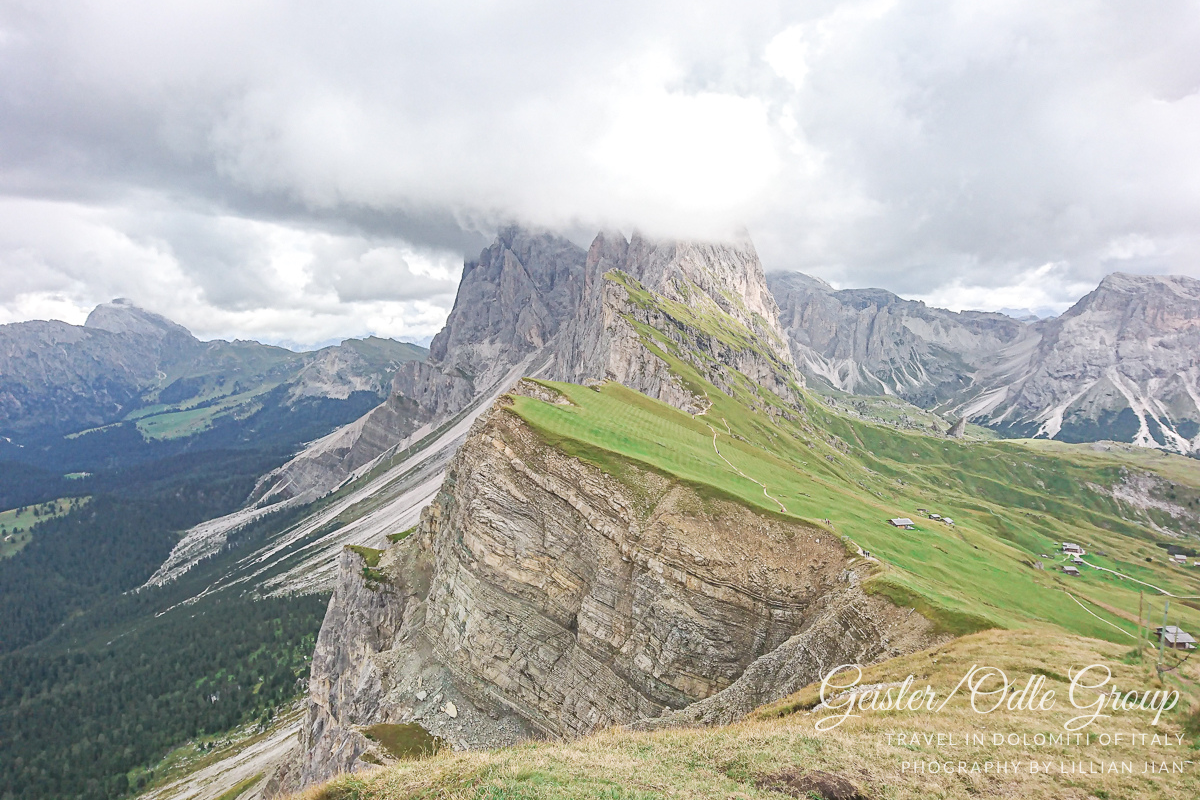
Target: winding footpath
[(717, 450), (1097, 616), (1143, 583)]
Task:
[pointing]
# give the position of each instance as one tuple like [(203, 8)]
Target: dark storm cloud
[(298, 172)]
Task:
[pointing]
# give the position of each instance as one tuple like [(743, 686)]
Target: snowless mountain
[(129, 365)]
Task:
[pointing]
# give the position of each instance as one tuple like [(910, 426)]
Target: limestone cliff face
[(511, 302), (707, 302), (363, 619), (541, 597)]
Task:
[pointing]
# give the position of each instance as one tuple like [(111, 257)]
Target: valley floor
[(954, 753)]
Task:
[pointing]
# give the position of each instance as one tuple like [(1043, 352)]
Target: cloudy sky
[(299, 172)]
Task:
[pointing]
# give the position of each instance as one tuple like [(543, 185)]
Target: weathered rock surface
[(1123, 363), (363, 619), (511, 302), (708, 300), (327, 462), (542, 597), (869, 341)]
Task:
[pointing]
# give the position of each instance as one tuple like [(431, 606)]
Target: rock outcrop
[(708, 303), (545, 598), (511, 302)]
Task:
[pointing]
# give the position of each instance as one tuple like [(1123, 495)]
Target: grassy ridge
[(1011, 502)]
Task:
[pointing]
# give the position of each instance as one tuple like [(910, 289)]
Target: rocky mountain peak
[(122, 316), (1179, 285), (511, 300), (1137, 305), (797, 280), (729, 273)]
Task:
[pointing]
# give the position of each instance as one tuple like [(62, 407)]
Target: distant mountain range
[(128, 366), (1122, 364)]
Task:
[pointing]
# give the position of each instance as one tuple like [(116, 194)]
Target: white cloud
[(263, 161), (220, 276), (1046, 290)]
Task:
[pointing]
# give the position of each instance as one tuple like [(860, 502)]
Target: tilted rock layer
[(542, 597)]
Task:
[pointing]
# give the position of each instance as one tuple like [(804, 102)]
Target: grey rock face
[(122, 316), (544, 598), (511, 302), (850, 627), (869, 341), (345, 682), (708, 286), (1123, 363)]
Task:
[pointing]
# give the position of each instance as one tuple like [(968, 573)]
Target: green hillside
[(1011, 502)]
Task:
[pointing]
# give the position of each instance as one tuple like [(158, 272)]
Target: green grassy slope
[(1011, 502), (16, 523)]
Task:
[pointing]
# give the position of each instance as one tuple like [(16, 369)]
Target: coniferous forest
[(100, 680)]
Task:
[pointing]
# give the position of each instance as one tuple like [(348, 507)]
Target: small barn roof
[(1176, 634), (901, 522)]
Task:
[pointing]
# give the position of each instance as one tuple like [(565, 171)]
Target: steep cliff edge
[(541, 596)]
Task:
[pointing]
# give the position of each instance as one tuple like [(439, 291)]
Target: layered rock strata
[(542, 597)]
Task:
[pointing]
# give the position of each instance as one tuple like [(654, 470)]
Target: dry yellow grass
[(731, 761)]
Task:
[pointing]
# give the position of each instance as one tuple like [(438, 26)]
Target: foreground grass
[(733, 761)]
